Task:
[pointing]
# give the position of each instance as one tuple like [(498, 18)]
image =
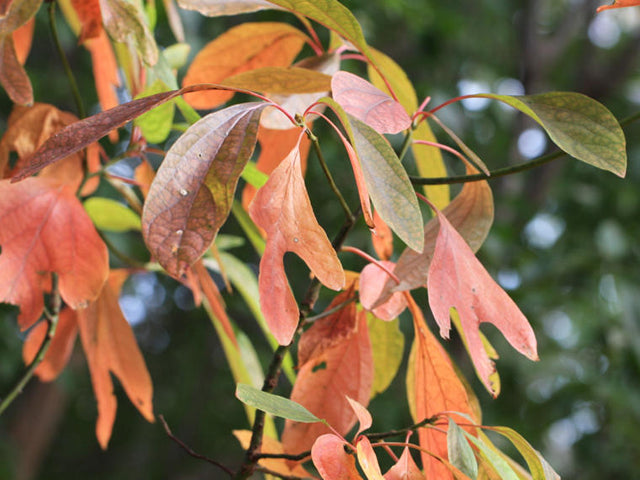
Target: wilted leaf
[(369, 104), (191, 195), (274, 404), (60, 348), (215, 8), (283, 209), (43, 229), (245, 47), (372, 281), (433, 387), (458, 279), (620, 4), (404, 469), (460, 452), (125, 21), (579, 125), (337, 368), (275, 145), (332, 461), (367, 460), (110, 347), (280, 80), (387, 346), (111, 215)]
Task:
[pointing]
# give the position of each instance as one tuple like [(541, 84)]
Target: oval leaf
[(280, 80), (331, 459), (108, 214), (460, 452), (216, 8), (369, 104), (191, 196), (274, 404), (579, 125)]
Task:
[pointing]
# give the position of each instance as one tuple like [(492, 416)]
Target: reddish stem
[(369, 258), (442, 147)]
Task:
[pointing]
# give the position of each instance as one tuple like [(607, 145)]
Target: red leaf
[(90, 17), (43, 229), (369, 104), (433, 387), (60, 348), (331, 459), (338, 366), (282, 208), (372, 281), (242, 48), (458, 279), (620, 4), (191, 195), (110, 346), (404, 469)]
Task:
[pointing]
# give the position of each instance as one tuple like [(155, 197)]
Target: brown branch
[(283, 476), (188, 449)]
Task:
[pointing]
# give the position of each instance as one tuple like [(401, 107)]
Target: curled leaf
[(331, 459)]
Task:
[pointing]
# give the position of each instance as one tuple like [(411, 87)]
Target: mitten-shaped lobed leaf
[(191, 195)]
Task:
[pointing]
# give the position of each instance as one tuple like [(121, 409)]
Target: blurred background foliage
[(563, 245)]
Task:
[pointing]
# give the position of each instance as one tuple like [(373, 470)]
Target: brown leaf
[(43, 229), (341, 366), (12, 75), (191, 195), (283, 209), (433, 387), (245, 47), (60, 348), (458, 279), (110, 346)]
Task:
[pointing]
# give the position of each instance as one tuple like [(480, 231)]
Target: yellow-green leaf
[(460, 452), (108, 214), (280, 80), (579, 125), (387, 346), (156, 124)]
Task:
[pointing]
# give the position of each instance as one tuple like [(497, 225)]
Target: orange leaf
[(270, 445), (339, 366), (60, 348), (144, 175), (105, 72), (191, 195), (22, 38), (369, 104), (372, 280), (242, 48), (404, 469), (283, 209), (458, 279), (275, 145), (110, 346), (434, 387), (331, 459), (367, 460), (90, 17), (381, 237), (44, 228), (620, 4), (30, 127)]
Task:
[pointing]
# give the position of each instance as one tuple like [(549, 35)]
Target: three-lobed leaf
[(192, 193)]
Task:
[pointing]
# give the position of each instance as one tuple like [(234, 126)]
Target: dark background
[(564, 244)]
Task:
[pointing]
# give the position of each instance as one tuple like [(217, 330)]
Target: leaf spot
[(179, 232), (295, 240), (183, 192), (319, 366)]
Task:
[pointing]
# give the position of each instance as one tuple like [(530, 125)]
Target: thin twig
[(280, 475), (394, 433), (284, 456), (65, 63), (188, 449), (51, 315)]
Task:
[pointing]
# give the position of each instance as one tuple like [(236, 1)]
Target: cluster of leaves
[(51, 241)]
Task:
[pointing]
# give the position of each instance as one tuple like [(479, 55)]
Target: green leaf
[(250, 229), (177, 55), (538, 466), (499, 464), (388, 183), (108, 214), (253, 176), (156, 124), (460, 452), (579, 125), (274, 404), (387, 345), (333, 15)]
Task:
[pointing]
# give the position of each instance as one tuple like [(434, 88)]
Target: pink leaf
[(372, 282), (363, 415), (369, 104), (331, 459)]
